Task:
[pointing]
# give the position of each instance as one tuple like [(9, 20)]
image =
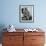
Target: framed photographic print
[(26, 13)]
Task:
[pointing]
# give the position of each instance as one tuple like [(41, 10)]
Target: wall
[(9, 13)]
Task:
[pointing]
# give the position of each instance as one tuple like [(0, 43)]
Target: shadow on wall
[(2, 26)]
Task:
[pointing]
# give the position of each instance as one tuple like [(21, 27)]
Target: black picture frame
[(26, 13)]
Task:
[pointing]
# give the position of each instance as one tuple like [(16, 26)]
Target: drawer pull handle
[(10, 38), (33, 39)]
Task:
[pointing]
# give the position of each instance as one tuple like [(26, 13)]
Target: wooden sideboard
[(23, 38)]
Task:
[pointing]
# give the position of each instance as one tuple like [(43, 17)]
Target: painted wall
[(9, 13)]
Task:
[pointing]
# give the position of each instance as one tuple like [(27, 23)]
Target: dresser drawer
[(12, 39), (13, 44), (37, 44), (34, 33), (13, 33), (8, 45), (37, 39)]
